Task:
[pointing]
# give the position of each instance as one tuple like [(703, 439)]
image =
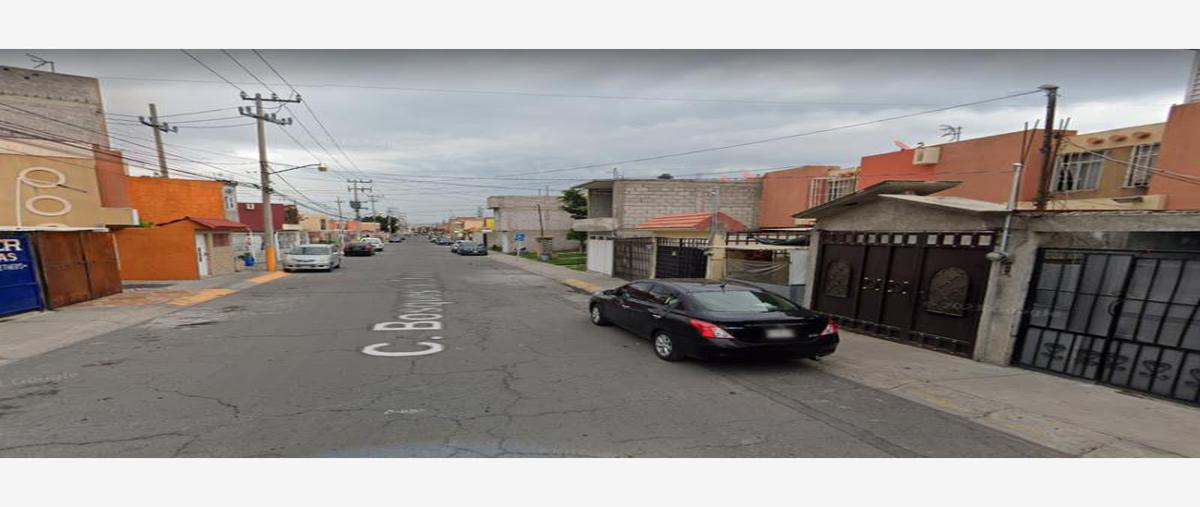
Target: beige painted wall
[(60, 188)]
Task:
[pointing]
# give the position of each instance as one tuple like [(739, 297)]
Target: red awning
[(214, 223), (691, 222)]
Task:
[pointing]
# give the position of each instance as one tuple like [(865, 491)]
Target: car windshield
[(467, 244), (310, 250), (742, 301)]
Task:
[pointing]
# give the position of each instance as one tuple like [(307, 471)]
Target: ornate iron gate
[(923, 288), (1119, 317), (681, 258), (633, 257)]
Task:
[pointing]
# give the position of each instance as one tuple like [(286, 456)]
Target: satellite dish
[(902, 145)]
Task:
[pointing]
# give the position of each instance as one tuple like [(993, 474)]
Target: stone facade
[(73, 102)]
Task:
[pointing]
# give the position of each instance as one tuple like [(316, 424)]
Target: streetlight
[(268, 218), (320, 168)]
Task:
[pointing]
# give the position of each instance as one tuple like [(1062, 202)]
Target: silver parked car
[(321, 257)]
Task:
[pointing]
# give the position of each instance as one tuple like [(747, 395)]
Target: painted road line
[(200, 297), (267, 277), (581, 285)]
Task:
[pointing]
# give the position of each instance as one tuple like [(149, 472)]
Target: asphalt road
[(280, 370)]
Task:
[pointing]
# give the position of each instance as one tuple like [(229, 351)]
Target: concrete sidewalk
[(34, 333), (1074, 417)]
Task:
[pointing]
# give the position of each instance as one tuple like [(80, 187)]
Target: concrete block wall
[(637, 201), (73, 100)]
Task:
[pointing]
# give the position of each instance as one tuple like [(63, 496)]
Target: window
[(1078, 171), (742, 301), (1141, 164), (310, 250), (662, 295), (824, 189), (639, 291)]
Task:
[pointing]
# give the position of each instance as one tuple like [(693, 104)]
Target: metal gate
[(922, 288), (633, 257), (77, 266), (680, 258), (1119, 317)]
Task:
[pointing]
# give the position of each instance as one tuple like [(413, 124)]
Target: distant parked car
[(706, 318), (471, 248), (375, 242), (396, 239), (360, 248), (323, 257), (444, 242)]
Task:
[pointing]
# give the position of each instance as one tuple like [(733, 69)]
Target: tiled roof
[(691, 221)]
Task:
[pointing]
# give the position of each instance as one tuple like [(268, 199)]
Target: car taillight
[(831, 328), (710, 330)]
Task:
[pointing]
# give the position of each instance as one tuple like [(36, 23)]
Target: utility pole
[(1047, 149), (356, 204), (375, 198), (158, 128), (339, 204), (264, 168)]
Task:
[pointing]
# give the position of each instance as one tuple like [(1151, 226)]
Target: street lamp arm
[(320, 167)]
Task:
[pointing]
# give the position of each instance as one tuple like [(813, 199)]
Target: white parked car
[(376, 242), (324, 257)]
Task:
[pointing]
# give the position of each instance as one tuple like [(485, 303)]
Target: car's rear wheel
[(598, 316), (664, 347)]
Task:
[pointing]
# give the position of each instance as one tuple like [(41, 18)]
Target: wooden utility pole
[(356, 204), (1047, 149), (158, 128), (264, 168)]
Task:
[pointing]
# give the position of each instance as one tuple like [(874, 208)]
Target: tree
[(575, 203), (388, 224)]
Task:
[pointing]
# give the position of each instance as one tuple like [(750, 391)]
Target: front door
[(202, 255)]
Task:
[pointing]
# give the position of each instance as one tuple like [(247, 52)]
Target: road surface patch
[(268, 277), (201, 296)]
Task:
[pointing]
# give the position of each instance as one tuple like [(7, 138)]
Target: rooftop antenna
[(951, 131), (41, 62)]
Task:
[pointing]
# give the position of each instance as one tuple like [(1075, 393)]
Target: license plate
[(781, 333)]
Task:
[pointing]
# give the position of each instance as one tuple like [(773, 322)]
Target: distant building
[(519, 215), (617, 207)]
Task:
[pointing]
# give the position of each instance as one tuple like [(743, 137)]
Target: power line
[(778, 138), (210, 69), (310, 110)]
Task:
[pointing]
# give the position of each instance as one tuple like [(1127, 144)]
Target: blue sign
[(520, 236), (19, 287)]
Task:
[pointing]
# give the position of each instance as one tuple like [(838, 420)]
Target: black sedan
[(471, 248), (707, 318), (359, 248)]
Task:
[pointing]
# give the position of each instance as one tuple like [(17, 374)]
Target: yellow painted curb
[(200, 297), (580, 284), (268, 277)]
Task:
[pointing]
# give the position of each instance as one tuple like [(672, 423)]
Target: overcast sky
[(430, 127)]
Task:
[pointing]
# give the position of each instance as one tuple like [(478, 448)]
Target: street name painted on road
[(422, 312)]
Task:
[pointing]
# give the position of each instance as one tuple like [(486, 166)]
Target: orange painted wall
[(983, 165), (111, 176), (158, 253), (161, 200), (1180, 153), (784, 193)]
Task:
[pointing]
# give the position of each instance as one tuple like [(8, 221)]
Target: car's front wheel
[(598, 316), (664, 347)]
